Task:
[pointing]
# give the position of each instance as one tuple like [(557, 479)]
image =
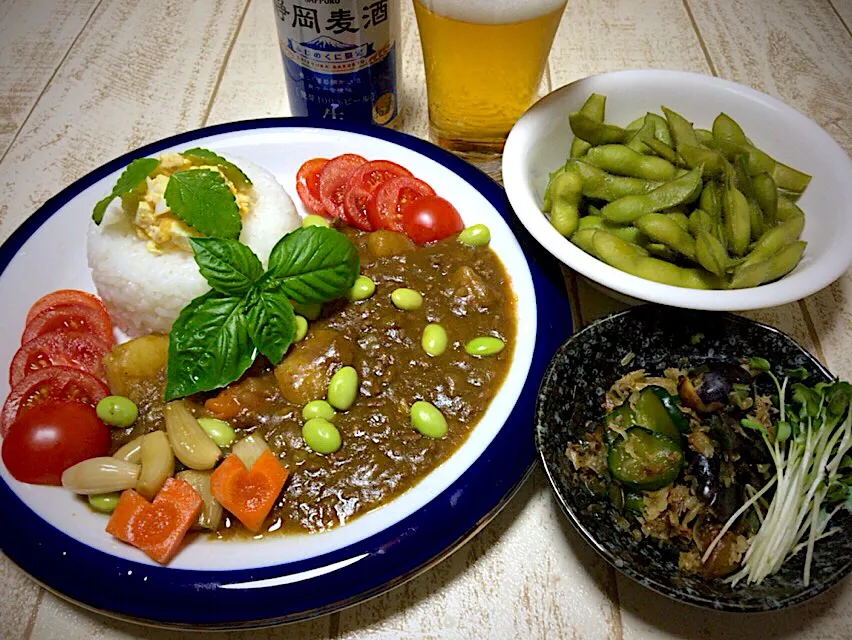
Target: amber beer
[(484, 60)]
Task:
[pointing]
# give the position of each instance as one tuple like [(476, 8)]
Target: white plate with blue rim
[(218, 584)]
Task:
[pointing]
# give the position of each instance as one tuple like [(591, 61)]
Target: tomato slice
[(51, 437), (308, 185), (384, 211), (61, 298), (61, 347), (429, 219), (51, 384), (363, 184), (332, 183), (76, 317)]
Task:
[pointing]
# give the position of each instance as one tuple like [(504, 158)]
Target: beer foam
[(491, 11)]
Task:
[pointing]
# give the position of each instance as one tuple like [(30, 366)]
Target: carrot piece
[(224, 406), (157, 527), (249, 494)]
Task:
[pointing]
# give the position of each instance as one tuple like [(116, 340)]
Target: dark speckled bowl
[(571, 395)]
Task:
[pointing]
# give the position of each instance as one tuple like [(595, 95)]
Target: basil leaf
[(272, 322), (209, 345), (130, 178), (202, 199), (198, 155), (314, 264), (228, 266)]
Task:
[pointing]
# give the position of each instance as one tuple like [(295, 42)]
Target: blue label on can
[(340, 60)]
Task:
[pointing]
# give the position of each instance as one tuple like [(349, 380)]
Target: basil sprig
[(218, 335)]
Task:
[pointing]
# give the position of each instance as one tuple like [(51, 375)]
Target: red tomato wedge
[(51, 384), (51, 437), (61, 347), (74, 317), (429, 219), (361, 187), (384, 211), (332, 182), (61, 298), (308, 185)]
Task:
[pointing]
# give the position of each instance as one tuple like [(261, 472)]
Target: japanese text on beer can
[(341, 58)]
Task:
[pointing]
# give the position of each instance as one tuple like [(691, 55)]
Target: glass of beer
[(484, 61)]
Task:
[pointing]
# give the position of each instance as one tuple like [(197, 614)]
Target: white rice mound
[(145, 292)]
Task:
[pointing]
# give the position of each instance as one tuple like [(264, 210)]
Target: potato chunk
[(304, 373), (139, 359)]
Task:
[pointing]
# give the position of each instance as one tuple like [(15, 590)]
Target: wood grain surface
[(84, 81)]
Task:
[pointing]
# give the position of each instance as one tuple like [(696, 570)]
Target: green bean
[(312, 220), (219, 431), (622, 160), (318, 409), (566, 193), (428, 420), (596, 133), (301, 328), (682, 190), (406, 299), (694, 156), (661, 228), (362, 289), (117, 411), (104, 502), (662, 150), (321, 436), (700, 220), (758, 226), (737, 220), (619, 254), (594, 108), (600, 185), (583, 239), (774, 267), (766, 195), (343, 388), (726, 129), (775, 239), (636, 141), (434, 340), (681, 129), (710, 253), (662, 133), (788, 209), (476, 236), (484, 346), (589, 222)]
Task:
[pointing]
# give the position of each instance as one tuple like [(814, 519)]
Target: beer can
[(341, 58)]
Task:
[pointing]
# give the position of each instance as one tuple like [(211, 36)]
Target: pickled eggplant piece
[(708, 388)]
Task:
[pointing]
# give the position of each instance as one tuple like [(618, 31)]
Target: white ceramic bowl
[(540, 141)]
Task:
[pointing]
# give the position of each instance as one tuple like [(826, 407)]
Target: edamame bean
[(601, 185), (631, 234), (104, 502), (659, 250), (681, 129), (589, 222), (726, 128), (428, 420), (406, 299), (117, 411), (788, 209), (774, 267), (318, 409), (789, 178), (694, 156), (596, 133), (321, 436), (644, 131), (710, 253), (737, 220), (343, 388), (679, 217), (484, 346), (583, 239), (476, 236), (547, 199), (775, 239), (566, 193), (663, 150), (766, 194), (682, 190), (301, 329), (362, 289), (308, 311), (661, 228), (434, 340), (755, 219), (662, 133), (594, 108), (312, 220), (219, 431), (622, 160), (700, 220)]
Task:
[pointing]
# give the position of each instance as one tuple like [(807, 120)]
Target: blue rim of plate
[(189, 598)]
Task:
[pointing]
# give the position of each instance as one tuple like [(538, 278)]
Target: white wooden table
[(83, 81)]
